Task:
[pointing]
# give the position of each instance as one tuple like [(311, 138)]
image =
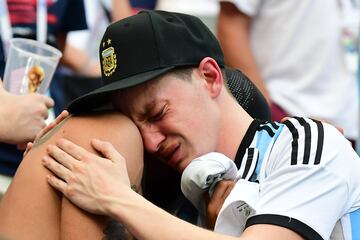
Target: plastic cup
[(30, 66)]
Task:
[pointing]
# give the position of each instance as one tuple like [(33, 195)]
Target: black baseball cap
[(142, 47)]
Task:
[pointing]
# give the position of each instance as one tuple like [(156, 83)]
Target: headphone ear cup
[(247, 95)]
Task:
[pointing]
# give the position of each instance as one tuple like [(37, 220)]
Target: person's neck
[(235, 123)]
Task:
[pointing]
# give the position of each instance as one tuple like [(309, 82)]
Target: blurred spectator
[(120, 9), (206, 10), (83, 74), (298, 53), (23, 21), (138, 5)]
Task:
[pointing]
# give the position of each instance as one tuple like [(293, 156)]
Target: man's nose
[(152, 139)]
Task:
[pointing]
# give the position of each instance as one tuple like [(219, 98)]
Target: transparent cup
[(30, 66)]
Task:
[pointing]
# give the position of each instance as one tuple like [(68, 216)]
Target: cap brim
[(245, 92), (101, 96)]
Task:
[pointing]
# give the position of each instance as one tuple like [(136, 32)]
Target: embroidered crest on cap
[(108, 59)]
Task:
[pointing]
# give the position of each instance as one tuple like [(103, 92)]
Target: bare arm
[(234, 36), (80, 62), (79, 171), (154, 223), (121, 9), (76, 59)]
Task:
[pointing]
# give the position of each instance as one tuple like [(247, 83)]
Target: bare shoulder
[(30, 194), (113, 127), (107, 126)]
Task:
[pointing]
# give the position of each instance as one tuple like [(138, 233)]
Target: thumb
[(106, 149)]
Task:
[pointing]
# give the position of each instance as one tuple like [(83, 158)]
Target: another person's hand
[(215, 202), (23, 116), (64, 114), (91, 182)]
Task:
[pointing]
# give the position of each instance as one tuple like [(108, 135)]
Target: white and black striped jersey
[(308, 179)]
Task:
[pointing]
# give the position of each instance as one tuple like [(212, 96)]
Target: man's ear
[(210, 71)]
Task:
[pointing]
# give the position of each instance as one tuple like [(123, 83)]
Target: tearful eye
[(158, 115)]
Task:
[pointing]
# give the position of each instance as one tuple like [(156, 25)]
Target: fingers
[(57, 183), (62, 157), (28, 148), (206, 197), (222, 189), (44, 114), (217, 199), (45, 130), (64, 114), (58, 168), (75, 151), (106, 149), (48, 101), (228, 190)]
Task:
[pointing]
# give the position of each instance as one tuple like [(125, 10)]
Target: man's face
[(177, 119)]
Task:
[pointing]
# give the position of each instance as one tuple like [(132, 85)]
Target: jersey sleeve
[(305, 183)]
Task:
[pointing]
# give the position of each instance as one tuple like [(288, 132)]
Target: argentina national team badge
[(108, 59)]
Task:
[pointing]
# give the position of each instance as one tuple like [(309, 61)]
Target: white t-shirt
[(206, 10), (97, 21), (197, 8), (297, 46), (305, 178)]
